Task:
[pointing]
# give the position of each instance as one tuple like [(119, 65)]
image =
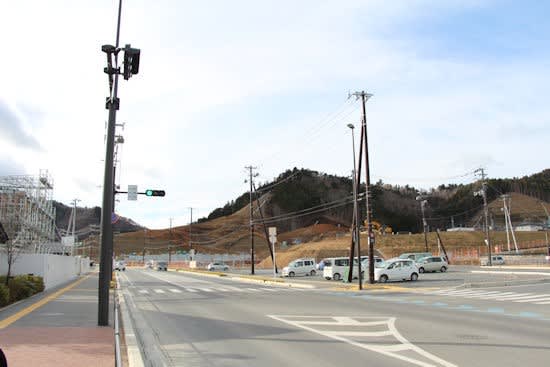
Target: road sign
[(132, 192), (272, 234)]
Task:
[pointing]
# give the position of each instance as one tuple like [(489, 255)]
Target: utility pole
[(72, 224), (506, 206), (486, 214), (190, 224), (423, 203), (170, 243), (364, 140), (357, 230), (251, 178)]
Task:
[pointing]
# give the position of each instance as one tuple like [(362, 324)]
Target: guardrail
[(118, 356)]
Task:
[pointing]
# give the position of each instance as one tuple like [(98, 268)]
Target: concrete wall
[(55, 269)]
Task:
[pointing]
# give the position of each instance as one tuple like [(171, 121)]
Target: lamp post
[(424, 223), (356, 209)]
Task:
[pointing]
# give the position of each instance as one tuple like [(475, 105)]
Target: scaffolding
[(26, 210)]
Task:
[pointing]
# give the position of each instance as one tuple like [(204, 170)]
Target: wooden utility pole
[(251, 178)]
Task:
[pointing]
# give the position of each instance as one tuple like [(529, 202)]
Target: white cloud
[(227, 84)]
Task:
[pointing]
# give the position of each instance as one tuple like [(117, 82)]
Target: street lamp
[(424, 223), (356, 209)]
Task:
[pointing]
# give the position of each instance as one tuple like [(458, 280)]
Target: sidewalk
[(59, 328)]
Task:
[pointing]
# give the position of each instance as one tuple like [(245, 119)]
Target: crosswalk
[(209, 289), (534, 298)]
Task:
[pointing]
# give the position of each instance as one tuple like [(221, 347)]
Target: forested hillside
[(301, 197)]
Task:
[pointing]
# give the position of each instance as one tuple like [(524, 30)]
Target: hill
[(88, 221)]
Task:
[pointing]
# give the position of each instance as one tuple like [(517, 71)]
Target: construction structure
[(27, 213)]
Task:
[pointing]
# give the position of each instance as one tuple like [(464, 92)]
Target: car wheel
[(312, 273), (414, 277), (383, 278), (291, 274), (420, 270), (327, 278), (443, 269), (336, 276)]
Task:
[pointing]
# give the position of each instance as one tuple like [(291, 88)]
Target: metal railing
[(118, 355)]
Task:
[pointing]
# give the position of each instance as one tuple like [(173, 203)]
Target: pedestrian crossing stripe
[(211, 290), (539, 299)]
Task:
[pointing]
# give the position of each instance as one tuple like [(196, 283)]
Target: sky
[(456, 85)]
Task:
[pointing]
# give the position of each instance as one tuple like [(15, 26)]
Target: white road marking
[(173, 290), (143, 291), (190, 290), (390, 350), (159, 291), (538, 299)]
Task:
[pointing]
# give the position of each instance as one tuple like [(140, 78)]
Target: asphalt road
[(192, 320)]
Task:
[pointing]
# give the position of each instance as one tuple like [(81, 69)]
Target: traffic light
[(155, 193), (131, 61)]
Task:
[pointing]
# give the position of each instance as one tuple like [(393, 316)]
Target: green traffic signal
[(155, 193)]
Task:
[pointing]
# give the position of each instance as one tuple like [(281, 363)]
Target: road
[(186, 319)]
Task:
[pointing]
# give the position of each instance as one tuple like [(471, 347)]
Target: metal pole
[(357, 232), (486, 214), (190, 224), (251, 226), (424, 224), (106, 265), (274, 264)]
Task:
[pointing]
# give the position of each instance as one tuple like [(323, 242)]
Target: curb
[(132, 347)]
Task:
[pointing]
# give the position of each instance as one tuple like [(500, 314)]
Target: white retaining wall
[(55, 269)]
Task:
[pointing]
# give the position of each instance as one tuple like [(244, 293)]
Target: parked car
[(340, 267), (300, 267), (415, 256), (120, 265), (217, 266), (161, 266), (396, 270), (432, 263), (150, 264), (495, 260)]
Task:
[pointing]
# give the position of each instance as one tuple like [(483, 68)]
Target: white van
[(299, 267), (340, 267)]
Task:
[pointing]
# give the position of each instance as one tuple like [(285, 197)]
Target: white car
[(395, 270), (300, 267), (217, 267), (120, 265)]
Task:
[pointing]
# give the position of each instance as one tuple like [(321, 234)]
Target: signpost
[(273, 239), (132, 192)]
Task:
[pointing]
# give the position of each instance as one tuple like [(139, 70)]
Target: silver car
[(432, 263)]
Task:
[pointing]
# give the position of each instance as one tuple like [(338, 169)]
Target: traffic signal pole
[(106, 254)]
